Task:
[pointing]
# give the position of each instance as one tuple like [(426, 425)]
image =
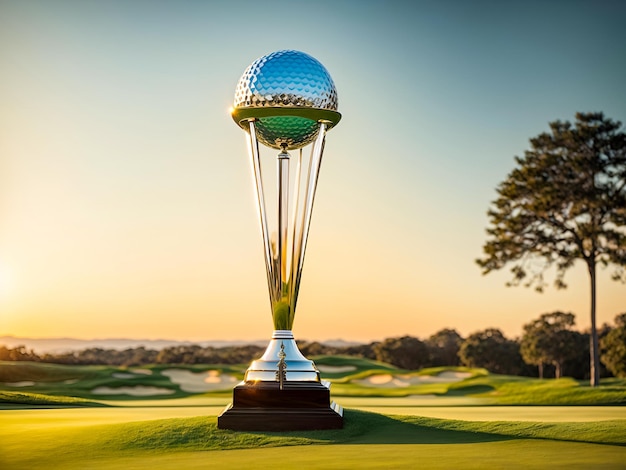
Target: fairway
[(522, 454), (148, 437), (19, 420), (436, 418)]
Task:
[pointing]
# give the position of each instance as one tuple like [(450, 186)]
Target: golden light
[(6, 280)]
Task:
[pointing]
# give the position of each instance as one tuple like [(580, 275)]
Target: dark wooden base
[(263, 406)]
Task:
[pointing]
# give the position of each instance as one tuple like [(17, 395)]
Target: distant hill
[(61, 345)]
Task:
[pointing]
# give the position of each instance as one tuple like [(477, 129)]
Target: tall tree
[(614, 347), (550, 340), (565, 201)]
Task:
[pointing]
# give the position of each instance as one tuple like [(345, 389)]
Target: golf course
[(102, 417)]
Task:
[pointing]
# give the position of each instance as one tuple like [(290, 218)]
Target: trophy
[(286, 101)]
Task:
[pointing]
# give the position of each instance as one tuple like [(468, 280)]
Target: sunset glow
[(126, 203)]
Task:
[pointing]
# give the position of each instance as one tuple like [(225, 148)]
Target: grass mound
[(26, 400), (368, 440), (601, 432), (508, 390), (39, 372), (160, 437)]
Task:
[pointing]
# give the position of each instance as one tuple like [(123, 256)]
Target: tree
[(360, 350), (491, 350), (19, 353), (565, 201), (614, 347), (550, 340), (405, 352), (444, 347), (314, 348)]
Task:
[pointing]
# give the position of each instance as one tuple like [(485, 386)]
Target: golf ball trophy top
[(285, 100)]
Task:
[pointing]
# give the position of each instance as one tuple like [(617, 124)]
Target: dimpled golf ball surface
[(286, 79)]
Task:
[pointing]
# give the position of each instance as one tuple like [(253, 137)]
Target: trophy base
[(297, 367), (299, 406)]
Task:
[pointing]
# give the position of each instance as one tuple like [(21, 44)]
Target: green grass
[(79, 381), (508, 390), (518, 454), (438, 370), (11, 400), (179, 431), (368, 441), (40, 372), (60, 382)]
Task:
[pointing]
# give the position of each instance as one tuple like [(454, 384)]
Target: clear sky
[(126, 203)]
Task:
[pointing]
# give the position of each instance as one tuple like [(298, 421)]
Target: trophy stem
[(283, 217), (305, 221), (297, 207), (255, 160), (284, 263)]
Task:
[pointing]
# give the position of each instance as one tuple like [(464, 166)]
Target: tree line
[(548, 347), (139, 356)]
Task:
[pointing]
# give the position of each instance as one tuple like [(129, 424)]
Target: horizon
[(126, 199), (262, 339)]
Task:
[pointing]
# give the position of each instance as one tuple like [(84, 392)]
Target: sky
[(126, 200)]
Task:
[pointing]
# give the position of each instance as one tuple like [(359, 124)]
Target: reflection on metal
[(298, 367), (281, 373), (285, 100), (285, 245), (288, 92)]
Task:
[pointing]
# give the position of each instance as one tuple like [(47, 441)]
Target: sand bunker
[(123, 375), (193, 382), (335, 369), (452, 376), (388, 380), (131, 374), (384, 380), (139, 390), (23, 383)]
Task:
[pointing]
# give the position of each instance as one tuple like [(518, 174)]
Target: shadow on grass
[(201, 433), (468, 390), (361, 427)]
